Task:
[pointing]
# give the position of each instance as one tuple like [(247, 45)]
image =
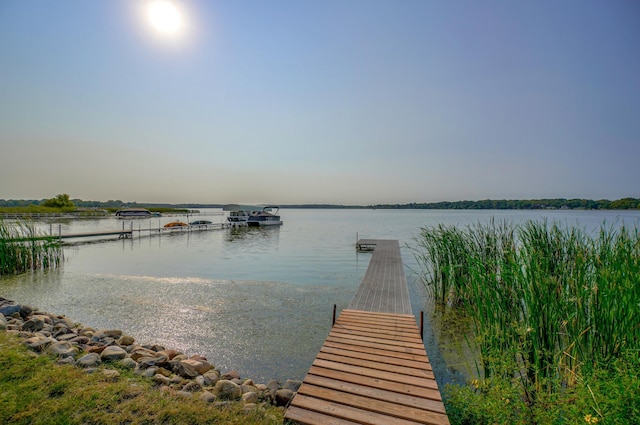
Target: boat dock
[(372, 368)]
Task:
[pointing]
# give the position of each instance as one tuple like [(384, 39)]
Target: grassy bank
[(22, 249), (35, 390), (555, 314)]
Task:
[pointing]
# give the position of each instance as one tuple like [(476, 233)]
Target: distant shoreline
[(486, 204)]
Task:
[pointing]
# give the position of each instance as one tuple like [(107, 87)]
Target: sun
[(165, 18)]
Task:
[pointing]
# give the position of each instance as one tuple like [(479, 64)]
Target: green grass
[(35, 390), (35, 209), (607, 395), (550, 305), (22, 249)]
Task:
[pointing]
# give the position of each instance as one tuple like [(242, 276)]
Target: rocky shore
[(95, 350)]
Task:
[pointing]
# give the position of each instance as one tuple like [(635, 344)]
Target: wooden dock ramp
[(373, 368)]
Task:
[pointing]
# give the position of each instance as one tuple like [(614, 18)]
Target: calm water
[(258, 300)]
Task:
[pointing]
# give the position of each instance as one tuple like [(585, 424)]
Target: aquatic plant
[(552, 299), (23, 249)]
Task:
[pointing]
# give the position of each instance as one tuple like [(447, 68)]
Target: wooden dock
[(373, 368)]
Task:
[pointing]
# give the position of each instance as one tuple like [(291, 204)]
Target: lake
[(258, 300)]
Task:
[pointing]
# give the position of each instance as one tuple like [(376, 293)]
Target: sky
[(352, 102)]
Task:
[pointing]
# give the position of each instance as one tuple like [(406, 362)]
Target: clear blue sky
[(347, 101)]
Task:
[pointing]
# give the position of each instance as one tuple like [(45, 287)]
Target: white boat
[(239, 214), (238, 218), (136, 213), (265, 218)]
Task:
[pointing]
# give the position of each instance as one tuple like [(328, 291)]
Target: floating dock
[(372, 368)]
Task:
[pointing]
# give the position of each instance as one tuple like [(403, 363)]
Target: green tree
[(60, 201)]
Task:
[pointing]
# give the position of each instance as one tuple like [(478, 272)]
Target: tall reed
[(22, 249), (551, 298)]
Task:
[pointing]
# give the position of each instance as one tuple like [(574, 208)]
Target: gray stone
[(208, 397), (250, 397), (185, 394), (293, 385), (25, 311), (139, 352), (165, 372), (39, 343), (62, 349), (64, 320), (171, 354), (186, 369), (227, 390), (45, 318), (148, 373), (273, 385), (105, 340), (250, 408), (128, 362), (9, 310), (3, 323), (71, 337), (147, 361), (211, 377), (161, 379), (90, 360), (113, 353), (200, 381), (108, 333), (192, 387), (66, 360), (231, 375), (283, 397), (111, 374), (176, 379), (59, 330), (248, 388), (79, 340), (33, 325), (88, 332), (200, 366), (126, 340)]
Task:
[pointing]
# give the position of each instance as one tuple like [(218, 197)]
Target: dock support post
[(422, 324), (333, 320)]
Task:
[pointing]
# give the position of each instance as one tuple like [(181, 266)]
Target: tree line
[(63, 201), (522, 204)]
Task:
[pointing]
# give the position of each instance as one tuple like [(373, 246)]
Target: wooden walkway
[(373, 368), (384, 286)]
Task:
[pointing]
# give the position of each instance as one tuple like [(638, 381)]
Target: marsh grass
[(548, 302), (22, 249)]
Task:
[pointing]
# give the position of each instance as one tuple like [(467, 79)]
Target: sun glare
[(166, 18)]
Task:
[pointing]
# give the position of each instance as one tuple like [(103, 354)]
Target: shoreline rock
[(172, 371)]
